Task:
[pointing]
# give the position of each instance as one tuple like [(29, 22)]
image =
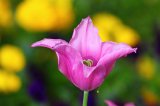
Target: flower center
[(88, 62)]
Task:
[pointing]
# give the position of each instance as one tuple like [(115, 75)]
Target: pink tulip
[(110, 103), (85, 60)]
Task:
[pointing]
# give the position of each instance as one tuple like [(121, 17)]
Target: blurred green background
[(30, 77)]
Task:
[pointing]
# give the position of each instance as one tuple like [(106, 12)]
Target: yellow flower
[(12, 58), (127, 35), (9, 82), (36, 15), (106, 24), (112, 29), (44, 15), (3, 84), (13, 83), (146, 67), (64, 13), (149, 97), (5, 13)]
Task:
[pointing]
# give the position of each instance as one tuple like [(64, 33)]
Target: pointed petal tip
[(34, 44), (88, 18), (135, 50), (49, 43), (38, 43), (109, 103), (131, 49)]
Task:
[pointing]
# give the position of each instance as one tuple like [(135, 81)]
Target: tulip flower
[(110, 103), (86, 60)]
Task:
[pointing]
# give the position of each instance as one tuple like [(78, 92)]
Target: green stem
[(85, 98)]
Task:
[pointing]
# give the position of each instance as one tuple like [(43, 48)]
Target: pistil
[(88, 62)]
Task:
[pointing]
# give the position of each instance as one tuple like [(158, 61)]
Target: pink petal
[(111, 52), (70, 64), (49, 43), (129, 104), (68, 57), (88, 83), (86, 40), (110, 103)]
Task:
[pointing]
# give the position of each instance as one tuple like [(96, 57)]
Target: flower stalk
[(85, 98)]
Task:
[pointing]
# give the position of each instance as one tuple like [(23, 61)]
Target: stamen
[(88, 62)]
